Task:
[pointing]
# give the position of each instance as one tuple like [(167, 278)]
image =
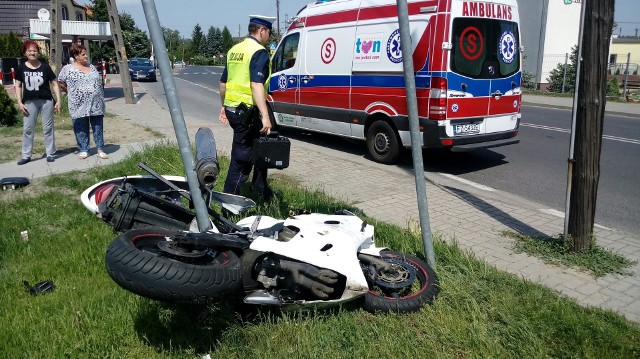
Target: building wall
[(15, 15), (562, 32), (549, 29), (532, 16), (619, 51)]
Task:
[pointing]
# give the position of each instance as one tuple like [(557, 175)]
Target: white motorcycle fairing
[(326, 241)]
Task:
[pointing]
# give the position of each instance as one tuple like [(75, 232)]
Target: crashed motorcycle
[(307, 259)]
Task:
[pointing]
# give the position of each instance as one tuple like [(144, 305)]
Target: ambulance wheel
[(382, 143)]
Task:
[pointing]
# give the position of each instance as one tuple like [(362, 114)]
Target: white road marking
[(559, 214), (204, 87), (557, 129), (467, 182)]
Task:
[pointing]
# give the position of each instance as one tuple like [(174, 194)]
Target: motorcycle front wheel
[(148, 263), (405, 287)]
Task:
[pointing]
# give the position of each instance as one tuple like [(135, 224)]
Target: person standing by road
[(34, 82), (243, 90), (83, 84)]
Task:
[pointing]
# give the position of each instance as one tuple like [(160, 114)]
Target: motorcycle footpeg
[(39, 288)]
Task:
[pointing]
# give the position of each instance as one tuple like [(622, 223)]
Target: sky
[(183, 15)]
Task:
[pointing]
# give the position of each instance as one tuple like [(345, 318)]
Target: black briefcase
[(271, 151)]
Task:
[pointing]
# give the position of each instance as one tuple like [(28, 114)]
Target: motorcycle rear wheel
[(411, 285), (138, 260)]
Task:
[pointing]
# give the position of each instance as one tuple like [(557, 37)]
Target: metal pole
[(574, 114), (414, 126), (182, 135), (626, 75), (564, 75)]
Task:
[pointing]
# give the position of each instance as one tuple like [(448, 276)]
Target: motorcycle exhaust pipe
[(207, 167)]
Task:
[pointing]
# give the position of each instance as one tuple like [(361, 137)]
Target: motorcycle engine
[(292, 280)]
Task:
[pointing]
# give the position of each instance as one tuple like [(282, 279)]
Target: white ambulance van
[(338, 70)]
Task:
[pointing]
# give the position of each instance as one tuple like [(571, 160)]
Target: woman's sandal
[(103, 155), (83, 155)]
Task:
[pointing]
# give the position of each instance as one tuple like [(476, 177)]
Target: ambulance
[(338, 70)]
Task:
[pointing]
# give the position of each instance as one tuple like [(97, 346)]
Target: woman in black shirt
[(34, 82)]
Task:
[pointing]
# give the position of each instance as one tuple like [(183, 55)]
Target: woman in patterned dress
[(83, 84)]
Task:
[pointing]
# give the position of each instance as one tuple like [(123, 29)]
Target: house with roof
[(31, 20)]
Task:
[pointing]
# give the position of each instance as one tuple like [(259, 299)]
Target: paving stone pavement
[(475, 222)]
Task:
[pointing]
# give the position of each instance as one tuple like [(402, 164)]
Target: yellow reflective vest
[(238, 87)]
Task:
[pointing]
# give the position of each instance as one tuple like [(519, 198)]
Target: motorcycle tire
[(407, 289), (135, 261)]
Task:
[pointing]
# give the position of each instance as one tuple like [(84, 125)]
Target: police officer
[(243, 88)]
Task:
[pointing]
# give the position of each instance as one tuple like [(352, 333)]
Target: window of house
[(79, 16), (65, 12)]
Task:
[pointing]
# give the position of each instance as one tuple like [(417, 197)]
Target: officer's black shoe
[(24, 161), (267, 195)]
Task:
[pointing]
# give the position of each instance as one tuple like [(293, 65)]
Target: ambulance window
[(484, 48), (286, 54)]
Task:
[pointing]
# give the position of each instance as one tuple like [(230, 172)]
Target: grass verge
[(598, 261), (480, 312)]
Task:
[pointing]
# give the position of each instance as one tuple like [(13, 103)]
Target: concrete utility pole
[(591, 100), (121, 53), (278, 18), (55, 38)]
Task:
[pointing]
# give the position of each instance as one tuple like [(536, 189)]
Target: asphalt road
[(534, 169)]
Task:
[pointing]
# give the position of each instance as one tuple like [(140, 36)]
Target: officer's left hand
[(223, 116), (266, 125)]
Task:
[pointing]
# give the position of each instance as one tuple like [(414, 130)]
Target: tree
[(197, 37), (8, 109), (126, 22), (136, 41), (10, 45), (592, 85), (216, 46), (227, 40), (172, 42), (208, 49), (557, 75)]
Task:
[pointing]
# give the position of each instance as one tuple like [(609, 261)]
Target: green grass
[(479, 313), (597, 261)]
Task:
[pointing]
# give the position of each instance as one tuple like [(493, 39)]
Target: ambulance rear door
[(484, 77)]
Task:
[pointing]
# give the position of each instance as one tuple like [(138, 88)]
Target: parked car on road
[(180, 64), (142, 69)]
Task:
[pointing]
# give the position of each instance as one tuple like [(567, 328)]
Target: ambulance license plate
[(466, 129)]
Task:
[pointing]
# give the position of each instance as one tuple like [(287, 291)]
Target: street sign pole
[(177, 117), (414, 126)]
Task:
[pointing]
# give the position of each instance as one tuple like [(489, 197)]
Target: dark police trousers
[(241, 151)]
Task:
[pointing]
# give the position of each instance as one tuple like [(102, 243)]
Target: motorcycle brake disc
[(401, 275), (174, 250)]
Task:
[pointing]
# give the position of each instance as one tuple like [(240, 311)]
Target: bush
[(556, 77), (8, 109), (10, 45), (528, 81), (613, 87)]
